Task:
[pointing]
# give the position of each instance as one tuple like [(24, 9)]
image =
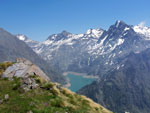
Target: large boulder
[(24, 68)]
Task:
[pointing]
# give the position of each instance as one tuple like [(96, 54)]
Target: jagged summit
[(119, 23), (63, 35), (83, 51), (118, 30), (64, 32), (95, 33)]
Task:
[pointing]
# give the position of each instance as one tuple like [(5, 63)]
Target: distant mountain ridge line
[(94, 52), (137, 28)]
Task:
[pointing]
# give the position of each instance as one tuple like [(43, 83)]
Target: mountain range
[(120, 56), (94, 52)]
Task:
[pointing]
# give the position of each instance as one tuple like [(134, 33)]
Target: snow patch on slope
[(126, 29), (102, 41), (95, 33)]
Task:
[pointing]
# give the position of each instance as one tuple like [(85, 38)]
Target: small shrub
[(85, 102), (5, 78), (73, 101), (17, 83), (70, 109), (58, 102), (55, 91), (96, 109), (5, 65), (101, 108), (1, 72), (16, 86), (48, 85), (66, 92), (38, 81)]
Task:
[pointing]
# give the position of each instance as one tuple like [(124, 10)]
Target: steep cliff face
[(22, 92), (12, 48), (125, 88)]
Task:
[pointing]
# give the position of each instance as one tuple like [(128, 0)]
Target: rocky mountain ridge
[(94, 52), (126, 88)]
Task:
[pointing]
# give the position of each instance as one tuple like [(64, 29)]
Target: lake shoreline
[(68, 84), (84, 75), (80, 74)]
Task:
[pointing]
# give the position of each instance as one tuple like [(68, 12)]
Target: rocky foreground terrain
[(25, 88)]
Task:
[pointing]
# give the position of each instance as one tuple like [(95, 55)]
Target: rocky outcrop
[(29, 83), (24, 68)]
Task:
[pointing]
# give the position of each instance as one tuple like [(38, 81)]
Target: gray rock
[(29, 83), (6, 97), (24, 68)]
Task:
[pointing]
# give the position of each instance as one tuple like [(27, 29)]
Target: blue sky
[(40, 18)]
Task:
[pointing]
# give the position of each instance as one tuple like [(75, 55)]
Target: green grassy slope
[(48, 97)]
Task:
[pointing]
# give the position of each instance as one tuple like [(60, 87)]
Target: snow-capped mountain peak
[(68, 38), (60, 36), (119, 23), (64, 32), (25, 38), (119, 27), (95, 48), (33, 44)]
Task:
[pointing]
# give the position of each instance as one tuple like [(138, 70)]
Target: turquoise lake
[(78, 82)]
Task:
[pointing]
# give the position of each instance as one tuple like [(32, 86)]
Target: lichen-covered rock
[(24, 68), (29, 83)]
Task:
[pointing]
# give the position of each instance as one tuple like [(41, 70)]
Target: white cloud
[(142, 24)]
